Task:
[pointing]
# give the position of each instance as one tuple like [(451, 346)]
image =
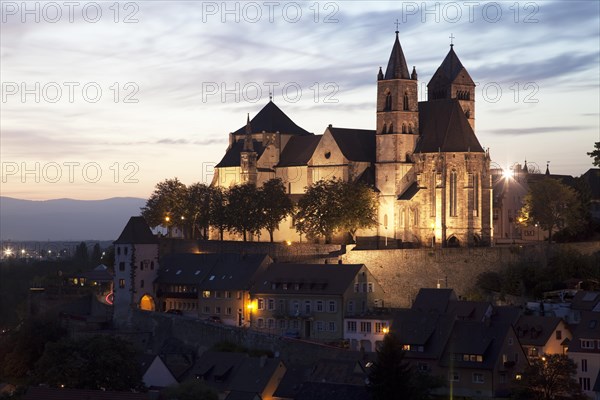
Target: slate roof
[(449, 71), (136, 231), (397, 67), (348, 372), (211, 271), (444, 127), (535, 330), (235, 395), (585, 300), (48, 393), (368, 178), (433, 299), (272, 119), (331, 391), (409, 192), (588, 328), (254, 374), (232, 155), (298, 150), (355, 144), (592, 177), (332, 279)]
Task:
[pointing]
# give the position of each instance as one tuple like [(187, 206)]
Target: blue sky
[(135, 92)]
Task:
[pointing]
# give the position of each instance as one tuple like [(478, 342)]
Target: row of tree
[(326, 207)]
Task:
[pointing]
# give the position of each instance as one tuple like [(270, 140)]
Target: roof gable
[(444, 127), (355, 144), (271, 119), (298, 150), (136, 231)]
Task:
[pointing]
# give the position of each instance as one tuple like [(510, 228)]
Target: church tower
[(396, 135), (452, 81), (248, 157)]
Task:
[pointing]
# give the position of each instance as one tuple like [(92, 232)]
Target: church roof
[(272, 119), (232, 156), (355, 144), (368, 178), (397, 68), (136, 231), (450, 69), (444, 127), (410, 192), (298, 150)]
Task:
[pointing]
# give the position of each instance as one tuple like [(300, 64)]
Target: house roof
[(433, 299), (136, 231), (409, 192), (236, 395), (271, 119), (535, 330), (451, 69), (397, 67), (588, 328), (355, 144), (332, 279), (585, 300), (298, 150), (220, 271), (48, 393), (348, 372), (444, 127), (592, 177), (232, 155), (331, 391), (427, 329), (254, 374)]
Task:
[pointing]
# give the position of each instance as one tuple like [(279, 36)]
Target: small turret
[(248, 145), (413, 75), (380, 74)]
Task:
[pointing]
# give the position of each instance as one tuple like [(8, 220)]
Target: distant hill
[(66, 219)]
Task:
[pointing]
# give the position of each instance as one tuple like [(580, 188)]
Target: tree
[(595, 154), (360, 208), (549, 377), (166, 204), (333, 205), (197, 210), (96, 254), (217, 214), (275, 205), (99, 362), (81, 254), (552, 205), (191, 389), (391, 378), (243, 209)]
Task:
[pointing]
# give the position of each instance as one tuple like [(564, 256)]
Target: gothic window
[(384, 129), (432, 196), (388, 102), (475, 193), (405, 101), (391, 128), (410, 128), (403, 128), (453, 194)]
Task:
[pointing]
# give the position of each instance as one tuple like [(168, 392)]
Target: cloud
[(535, 130)]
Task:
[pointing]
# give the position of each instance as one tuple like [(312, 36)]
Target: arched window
[(405, 101), (388, 102), (403, 128), (385, 221), (391, 128), (410, 128), (383, 130), (453, 194)]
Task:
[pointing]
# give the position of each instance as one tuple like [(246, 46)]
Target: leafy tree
[(243, 209), (197, 210), (275, 205), (595, 154), (96, 254), (552, 205), (360, 208), (191, 389), (166, 204), (217, 214), (390, 377), (99, 362), (549, 377), (81, 254), (333, 205)]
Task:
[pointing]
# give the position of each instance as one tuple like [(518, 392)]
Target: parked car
[(174, 311)]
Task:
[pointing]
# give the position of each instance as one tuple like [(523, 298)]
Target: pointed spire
[(547, 167), (525, 169), (397, 67), (413, 75), (380, 74), (248, 145)]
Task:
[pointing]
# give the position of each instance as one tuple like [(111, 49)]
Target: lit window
[(206, 294), (260, 303), (121, 283), (406, 347)]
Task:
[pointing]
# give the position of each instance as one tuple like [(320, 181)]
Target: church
[(423, 159)]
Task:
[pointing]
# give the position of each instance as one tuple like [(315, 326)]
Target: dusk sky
[(164, 89)]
